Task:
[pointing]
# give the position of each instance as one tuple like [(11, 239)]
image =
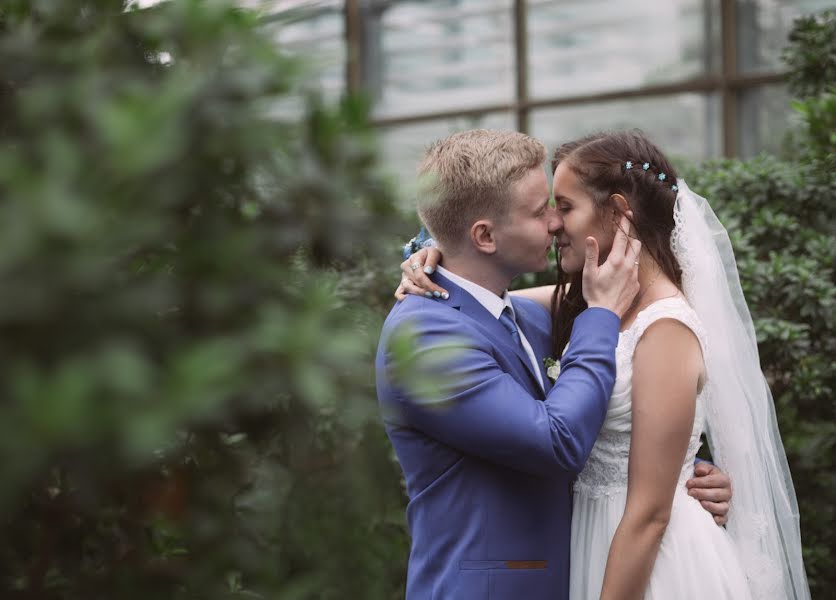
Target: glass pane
[(587, 46), (763, 27), (403, 146), (765, 120), (430, 55), (685, 126), (314, 31)]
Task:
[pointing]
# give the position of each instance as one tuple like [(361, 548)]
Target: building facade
[(703, 78)]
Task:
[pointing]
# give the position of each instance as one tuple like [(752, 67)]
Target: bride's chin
[(567, 267)]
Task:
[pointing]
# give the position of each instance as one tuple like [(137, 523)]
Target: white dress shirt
[(495, 305)]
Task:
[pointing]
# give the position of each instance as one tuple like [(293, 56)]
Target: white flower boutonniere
[(552, 368)]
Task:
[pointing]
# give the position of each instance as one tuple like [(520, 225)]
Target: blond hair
[(467, 176)]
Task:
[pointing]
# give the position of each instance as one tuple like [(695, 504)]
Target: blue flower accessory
[(659, 176), (422, 240)]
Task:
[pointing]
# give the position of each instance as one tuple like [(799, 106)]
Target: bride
[(687, 363)]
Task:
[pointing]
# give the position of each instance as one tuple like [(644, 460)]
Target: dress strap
[(667, 308)]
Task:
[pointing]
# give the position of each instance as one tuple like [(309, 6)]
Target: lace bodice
[(606, 470)]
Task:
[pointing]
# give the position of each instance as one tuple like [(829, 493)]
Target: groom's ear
[(482, 236)]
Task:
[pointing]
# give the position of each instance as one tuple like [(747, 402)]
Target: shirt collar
[(493, 304)]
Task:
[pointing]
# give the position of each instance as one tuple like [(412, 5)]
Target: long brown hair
[(600, 161)]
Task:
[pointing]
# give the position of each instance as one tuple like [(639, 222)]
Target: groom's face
[(525, 236)]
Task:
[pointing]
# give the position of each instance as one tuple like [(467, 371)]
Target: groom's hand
[(713, 489), (614, 284)]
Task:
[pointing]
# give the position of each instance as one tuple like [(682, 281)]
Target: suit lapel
[(467, 304), (539, 339)]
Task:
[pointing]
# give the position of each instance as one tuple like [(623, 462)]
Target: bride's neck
[(653, 285)]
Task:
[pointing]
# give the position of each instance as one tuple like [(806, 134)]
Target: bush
[(186, 380)]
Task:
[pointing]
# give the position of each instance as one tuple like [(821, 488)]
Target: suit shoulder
[(423, 315), (531, 309)]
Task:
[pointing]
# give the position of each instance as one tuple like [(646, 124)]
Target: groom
[(489, 457)]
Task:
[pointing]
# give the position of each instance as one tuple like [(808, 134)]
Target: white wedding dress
[(697, 558)]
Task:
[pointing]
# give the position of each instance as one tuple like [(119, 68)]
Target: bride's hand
[(415, 270)]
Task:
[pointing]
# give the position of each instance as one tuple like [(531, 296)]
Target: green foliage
[(811, 54), (186, 378), (811, 57)]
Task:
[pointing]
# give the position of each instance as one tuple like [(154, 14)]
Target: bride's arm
[(667, 367), (415, 280), (415, 271)]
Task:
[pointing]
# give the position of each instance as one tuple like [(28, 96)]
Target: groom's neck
[(480, 272)]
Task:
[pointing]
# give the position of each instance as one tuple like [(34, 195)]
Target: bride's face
[(581, 219)]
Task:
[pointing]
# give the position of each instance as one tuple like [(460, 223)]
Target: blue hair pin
[(675, 187), (628, 165), (646, 166), (662, 176), (422, 240)]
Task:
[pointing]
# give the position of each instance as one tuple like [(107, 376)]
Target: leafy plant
[(186, 379)]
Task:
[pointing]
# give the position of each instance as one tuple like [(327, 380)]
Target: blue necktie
[(507, 320)]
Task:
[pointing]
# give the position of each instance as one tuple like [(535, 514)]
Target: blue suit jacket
[(490, 461)]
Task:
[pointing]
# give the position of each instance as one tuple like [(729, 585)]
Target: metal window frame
[(729, 83)]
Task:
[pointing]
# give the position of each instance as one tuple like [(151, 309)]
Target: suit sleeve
[(481, 410)]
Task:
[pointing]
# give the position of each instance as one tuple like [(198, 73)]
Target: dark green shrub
[(187, 407)]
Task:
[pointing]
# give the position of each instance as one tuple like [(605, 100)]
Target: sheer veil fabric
[(740, 417)]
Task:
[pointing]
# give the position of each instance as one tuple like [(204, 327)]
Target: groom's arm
[(483, 411), (542, 295)]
